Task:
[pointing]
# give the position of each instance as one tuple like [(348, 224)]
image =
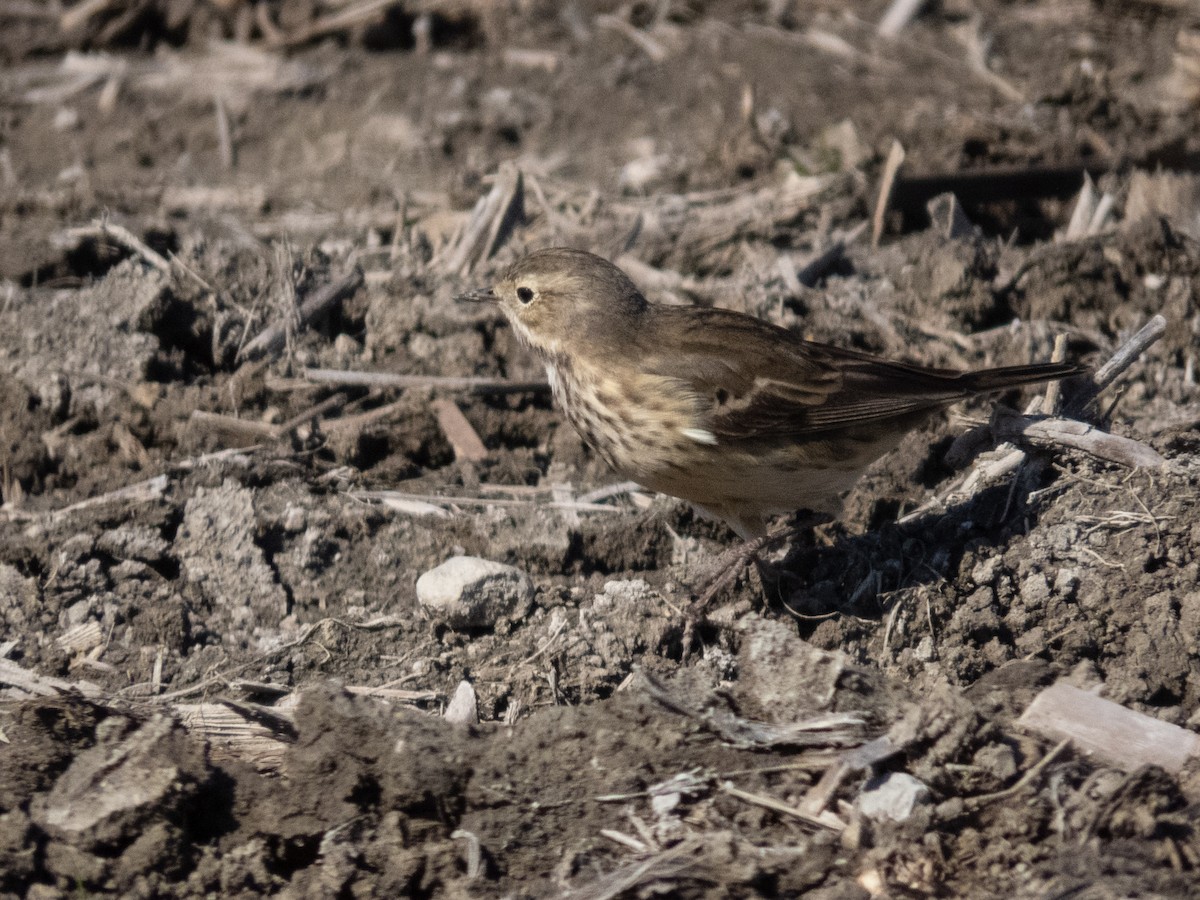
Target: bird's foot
[(723, 572), (728, 567)]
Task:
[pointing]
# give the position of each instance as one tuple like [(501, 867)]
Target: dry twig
[(830, 730), (648, 45), (272, 339), (848, 762), (1058, 432), (1054, 432), (387, 497), (492, 221), (141, 492), (119, 234), (221, 678), (1130, 352), (891, 167), (444, 382), (1023, 782), (353, 15), (37, 685)]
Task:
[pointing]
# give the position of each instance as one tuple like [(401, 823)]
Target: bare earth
[(216, 677)]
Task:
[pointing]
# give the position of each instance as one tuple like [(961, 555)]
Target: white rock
[(469, 592), (893, 796), (463, 708)]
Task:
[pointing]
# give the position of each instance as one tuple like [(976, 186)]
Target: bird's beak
[(486, 295)]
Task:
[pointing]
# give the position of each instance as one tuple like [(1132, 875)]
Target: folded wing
[(756, 381)]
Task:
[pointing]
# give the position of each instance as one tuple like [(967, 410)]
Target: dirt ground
[(217, 676)]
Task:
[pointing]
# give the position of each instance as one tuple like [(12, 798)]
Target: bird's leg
[(726, 568), (730, 564)]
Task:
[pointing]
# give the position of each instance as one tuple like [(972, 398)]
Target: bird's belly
[(765, 480)]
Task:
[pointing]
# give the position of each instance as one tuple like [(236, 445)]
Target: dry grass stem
[(492, 221), (397, 694), (825, 819), (898, 15), (895, 159), (444, 382), (831, 730), (387, 497), (1023, 782)]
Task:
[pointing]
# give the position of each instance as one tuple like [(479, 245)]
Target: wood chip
[(81, 638), (458, 431), (230, 735), (1113, 733)]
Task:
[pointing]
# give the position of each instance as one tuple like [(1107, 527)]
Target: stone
[(463, 707), (892, 796), (468, 592)]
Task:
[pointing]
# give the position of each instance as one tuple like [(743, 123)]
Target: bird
[(742, 418)]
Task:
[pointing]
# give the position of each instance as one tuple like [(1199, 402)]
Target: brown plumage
[(738, 416)]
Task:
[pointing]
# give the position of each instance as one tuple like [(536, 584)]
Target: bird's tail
[(986, 381)]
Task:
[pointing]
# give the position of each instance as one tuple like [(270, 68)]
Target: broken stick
[(1059, 432), (324, 298)]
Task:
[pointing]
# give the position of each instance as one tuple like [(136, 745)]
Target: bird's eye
[(525, 295)]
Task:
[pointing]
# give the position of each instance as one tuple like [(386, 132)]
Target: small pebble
[(463, 708), (892, 796), (468, 592)]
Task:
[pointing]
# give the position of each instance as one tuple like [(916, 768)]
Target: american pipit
[(740, 417)]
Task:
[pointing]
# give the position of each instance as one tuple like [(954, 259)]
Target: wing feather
[(757, 381)]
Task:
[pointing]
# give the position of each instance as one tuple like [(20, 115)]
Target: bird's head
[(558, 295)]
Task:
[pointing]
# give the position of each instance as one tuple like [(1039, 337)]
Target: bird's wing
[(754, 380)]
